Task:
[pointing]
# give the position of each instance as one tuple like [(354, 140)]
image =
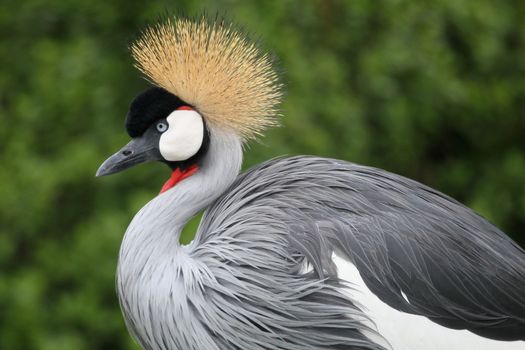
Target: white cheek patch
[(184, 136)]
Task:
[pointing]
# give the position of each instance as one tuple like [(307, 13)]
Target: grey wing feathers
[(452, 265)]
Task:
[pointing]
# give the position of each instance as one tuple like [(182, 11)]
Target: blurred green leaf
[(431, 90)]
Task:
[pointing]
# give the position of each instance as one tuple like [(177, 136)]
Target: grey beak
[(139, 150)]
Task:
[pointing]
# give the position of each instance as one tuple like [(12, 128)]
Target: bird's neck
[(157, 226)]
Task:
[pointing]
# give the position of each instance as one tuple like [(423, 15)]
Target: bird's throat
[(177, 176)]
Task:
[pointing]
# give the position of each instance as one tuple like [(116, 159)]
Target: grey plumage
[(237, 286), (455, 267), (242, 283)]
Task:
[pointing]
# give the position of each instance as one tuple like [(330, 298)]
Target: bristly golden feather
[(215, 69)]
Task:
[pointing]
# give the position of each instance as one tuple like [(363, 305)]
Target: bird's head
[(207, 77), (163, 128)]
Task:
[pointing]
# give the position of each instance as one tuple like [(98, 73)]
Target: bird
[(298, 252)]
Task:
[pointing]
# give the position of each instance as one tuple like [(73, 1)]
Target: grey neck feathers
[(157, 226)]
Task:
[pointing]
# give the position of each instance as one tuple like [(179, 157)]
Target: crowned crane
[(295, 253)]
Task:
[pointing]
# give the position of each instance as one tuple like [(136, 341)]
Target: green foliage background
[(431, 90)]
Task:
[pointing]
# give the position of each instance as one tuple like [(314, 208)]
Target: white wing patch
[(405, 297), (184, 136), (405, 331)]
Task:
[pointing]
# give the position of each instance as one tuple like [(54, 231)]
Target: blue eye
[(161, 127)]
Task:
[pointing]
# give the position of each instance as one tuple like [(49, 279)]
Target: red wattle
[(177, 176)]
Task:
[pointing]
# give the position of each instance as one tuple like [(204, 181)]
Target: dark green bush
[(432, 90)]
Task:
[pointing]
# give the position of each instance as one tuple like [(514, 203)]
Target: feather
[(406, 239), (214, 68)]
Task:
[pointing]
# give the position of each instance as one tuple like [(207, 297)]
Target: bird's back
[(419, 251)]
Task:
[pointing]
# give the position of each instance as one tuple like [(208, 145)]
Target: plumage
[(267, 267), (237, 286), (243, 276), (451, 264)]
